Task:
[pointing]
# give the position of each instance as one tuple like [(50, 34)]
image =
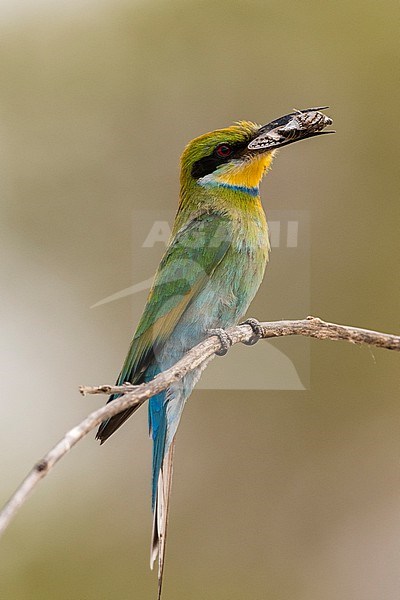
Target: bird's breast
[(225, 297), (236, 279)]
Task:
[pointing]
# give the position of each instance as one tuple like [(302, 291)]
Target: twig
[(137, 395)]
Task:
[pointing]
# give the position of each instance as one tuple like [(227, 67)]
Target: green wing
[(188, 263)]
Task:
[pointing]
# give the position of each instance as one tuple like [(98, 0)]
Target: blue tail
[(158, 431)]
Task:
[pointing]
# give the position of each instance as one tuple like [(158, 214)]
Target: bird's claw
[(257, 331), (224, 338)]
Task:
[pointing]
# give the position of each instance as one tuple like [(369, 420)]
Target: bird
[(211, 270)]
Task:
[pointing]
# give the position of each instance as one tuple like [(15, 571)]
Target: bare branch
[(316, 328), (137, 395)]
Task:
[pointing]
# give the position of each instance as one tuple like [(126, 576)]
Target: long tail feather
[(160, 515)]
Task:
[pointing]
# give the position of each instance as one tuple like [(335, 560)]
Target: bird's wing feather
[(190, 259)]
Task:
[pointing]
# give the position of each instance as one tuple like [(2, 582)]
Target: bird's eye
[(223, 150)]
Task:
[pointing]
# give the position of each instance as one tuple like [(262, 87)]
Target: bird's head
[(238, 156)]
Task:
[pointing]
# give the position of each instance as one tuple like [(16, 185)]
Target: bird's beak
[(290, 128)]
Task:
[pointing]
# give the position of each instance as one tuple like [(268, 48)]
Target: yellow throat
[(247, 173)]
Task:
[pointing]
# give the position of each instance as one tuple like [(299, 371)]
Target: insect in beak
[(290, 128)]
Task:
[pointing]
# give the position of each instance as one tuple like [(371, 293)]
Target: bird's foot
[(257, 331), (225, 340)]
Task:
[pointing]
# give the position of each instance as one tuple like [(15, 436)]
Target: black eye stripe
[(208, 164)]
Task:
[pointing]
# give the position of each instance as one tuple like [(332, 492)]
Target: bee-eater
[(210, 272)]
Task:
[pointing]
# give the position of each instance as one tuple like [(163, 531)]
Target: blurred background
[(278, 493)]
